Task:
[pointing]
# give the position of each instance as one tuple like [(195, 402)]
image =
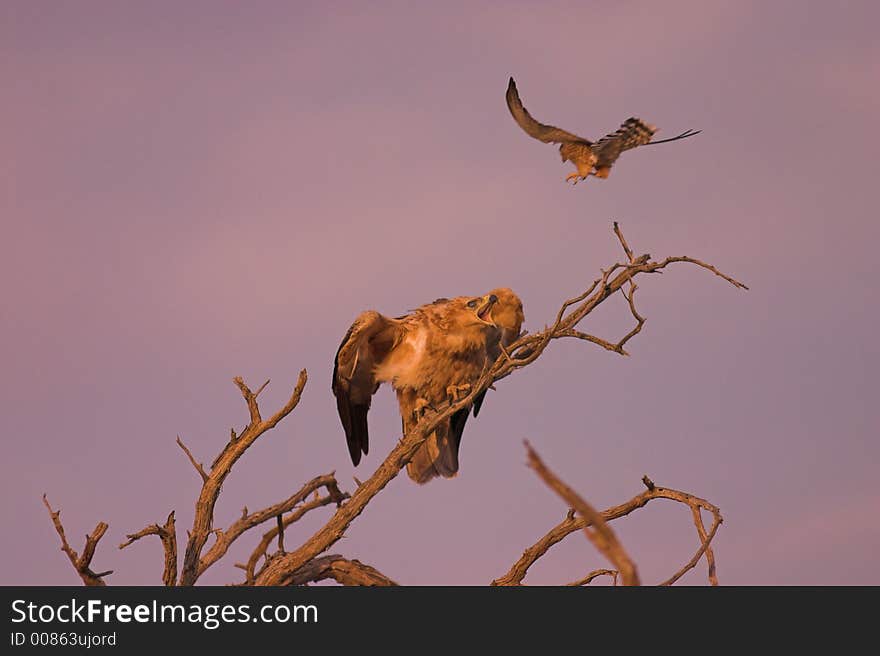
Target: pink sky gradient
[(193, 191)]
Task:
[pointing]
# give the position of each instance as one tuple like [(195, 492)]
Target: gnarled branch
[(596, 573), (250, 520), (82, 564), (261, 549), (346, 572), (204, 515), (570, 524)]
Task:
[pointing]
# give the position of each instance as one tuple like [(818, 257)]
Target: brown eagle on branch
[(430, 356), (589, 157)]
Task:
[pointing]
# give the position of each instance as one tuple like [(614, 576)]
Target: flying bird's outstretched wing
[(589, 158), (541, 132), (365, 346)]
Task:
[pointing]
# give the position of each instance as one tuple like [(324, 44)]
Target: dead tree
[(305, 563)]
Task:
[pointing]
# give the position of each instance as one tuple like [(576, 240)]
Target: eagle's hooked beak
[(486, 308)]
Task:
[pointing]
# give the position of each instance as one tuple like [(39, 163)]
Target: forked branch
[(204, 514), (82, 564), (571, 523)]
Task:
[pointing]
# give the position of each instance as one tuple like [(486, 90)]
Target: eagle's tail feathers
[(436, 457)]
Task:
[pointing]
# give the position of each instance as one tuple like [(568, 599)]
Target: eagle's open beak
[(486, 308)]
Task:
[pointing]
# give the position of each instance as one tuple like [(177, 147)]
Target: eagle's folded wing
[(366, 345)]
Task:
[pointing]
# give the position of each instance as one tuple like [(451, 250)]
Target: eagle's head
[(480, 307), (507, 314)]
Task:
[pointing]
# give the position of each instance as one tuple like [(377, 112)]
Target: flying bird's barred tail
[(633, 132)]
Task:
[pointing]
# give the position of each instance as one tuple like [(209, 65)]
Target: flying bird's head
[(507, 314)]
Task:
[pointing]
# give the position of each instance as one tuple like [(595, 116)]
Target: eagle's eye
[(472, 304)]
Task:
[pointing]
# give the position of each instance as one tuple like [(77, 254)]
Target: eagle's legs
[(583, 170), (602, 172)]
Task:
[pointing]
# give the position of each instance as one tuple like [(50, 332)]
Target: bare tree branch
[(620, 238), (168, 535), (570, 524), (602, 537), (199, 468), (80, 563), (250, 520), (202, 523), (593, 575), (704, 548), (263, 546), (280, 527), (346, 572)]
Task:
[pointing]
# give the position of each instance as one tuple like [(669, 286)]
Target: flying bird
[(430, 356), (589, 157)]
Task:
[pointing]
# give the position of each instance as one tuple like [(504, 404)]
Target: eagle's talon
[(457, 392), (421, 407)]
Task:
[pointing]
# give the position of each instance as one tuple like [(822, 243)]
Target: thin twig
[(199, 468), (704, 548), (593, 575)]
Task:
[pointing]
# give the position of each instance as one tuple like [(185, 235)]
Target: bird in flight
[(589, 157), (430, 356)]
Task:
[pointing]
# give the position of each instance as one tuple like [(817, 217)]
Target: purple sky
[(193, 191)]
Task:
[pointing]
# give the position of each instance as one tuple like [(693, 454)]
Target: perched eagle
[(590, 158), (429, 356)]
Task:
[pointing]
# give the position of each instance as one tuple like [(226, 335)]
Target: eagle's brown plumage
[(589, 158), (429, 356)]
